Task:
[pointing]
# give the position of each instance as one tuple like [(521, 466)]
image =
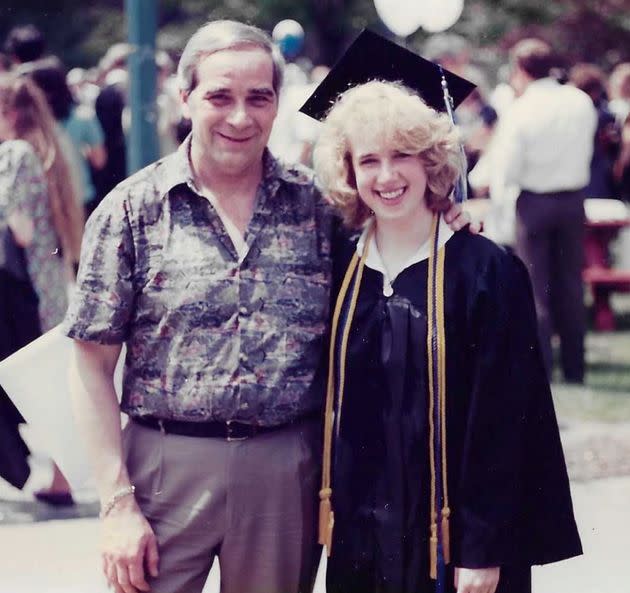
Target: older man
[(213, 266)]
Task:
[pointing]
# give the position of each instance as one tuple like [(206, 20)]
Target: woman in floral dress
[(37, 195), (41, 223)]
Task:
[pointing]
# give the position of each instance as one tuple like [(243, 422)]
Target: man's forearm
[(129, 546), (98, 414)]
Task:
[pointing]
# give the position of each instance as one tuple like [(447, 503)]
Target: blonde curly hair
[(408, 123)]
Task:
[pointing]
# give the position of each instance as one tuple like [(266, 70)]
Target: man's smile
[(231, 138)]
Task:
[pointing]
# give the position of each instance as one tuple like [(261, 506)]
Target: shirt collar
[(375, 262), (176, 168), (541, 83)]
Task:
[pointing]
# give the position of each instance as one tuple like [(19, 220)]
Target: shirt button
[(242, 310), (242, 357), (388, 290)]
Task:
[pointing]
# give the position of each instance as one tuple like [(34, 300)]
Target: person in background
[(80, 125), (19, 325), (592, 80), (619, 92), (621, 168), (24, 43), (38, 201), (454, 53), (544, 145), (82, 85), (168, 103), (109, 106)]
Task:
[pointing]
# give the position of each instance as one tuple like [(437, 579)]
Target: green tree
[(594, 30)]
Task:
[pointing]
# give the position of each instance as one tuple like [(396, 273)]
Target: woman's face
[(391, 183)]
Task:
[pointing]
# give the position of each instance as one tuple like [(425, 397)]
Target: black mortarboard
[(372, 57)]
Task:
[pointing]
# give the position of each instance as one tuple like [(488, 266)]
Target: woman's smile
[(391, 195)]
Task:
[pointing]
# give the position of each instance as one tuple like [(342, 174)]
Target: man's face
[(232, 108)]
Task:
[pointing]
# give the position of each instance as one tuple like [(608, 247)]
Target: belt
[(561, 193), (230, 430)]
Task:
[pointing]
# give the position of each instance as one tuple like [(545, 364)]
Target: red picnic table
[(602, 279)]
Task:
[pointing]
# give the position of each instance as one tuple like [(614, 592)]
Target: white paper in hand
[(36, 379)]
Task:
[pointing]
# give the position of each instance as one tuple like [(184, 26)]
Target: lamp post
[(143, 139)]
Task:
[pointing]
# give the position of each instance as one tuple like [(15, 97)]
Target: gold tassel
[(446, 538), (326, 519), (433, 546)]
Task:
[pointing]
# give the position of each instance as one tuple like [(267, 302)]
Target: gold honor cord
[(446, 511), (326, 514), (436, 351), (433, 536), (436, 348)]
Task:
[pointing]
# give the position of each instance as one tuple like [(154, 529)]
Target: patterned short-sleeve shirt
[(209, 336)]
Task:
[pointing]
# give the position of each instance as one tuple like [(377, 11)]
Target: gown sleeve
[(513, 502)]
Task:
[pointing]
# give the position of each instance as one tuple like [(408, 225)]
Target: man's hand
[(129, 547), (477, 580), (457, 218)]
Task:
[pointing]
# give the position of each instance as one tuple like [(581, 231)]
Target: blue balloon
[(289, 37)]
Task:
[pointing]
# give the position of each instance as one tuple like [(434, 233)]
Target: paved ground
[(44, 550), (61, 556), (56, 551)]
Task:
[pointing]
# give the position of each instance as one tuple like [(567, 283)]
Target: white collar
[(541, 83), (375, 262)]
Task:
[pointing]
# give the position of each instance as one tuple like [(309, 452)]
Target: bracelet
[(114, 499)]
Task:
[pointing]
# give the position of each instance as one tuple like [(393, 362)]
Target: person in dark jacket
[(443, 468)]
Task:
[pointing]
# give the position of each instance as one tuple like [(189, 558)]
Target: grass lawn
[(605, 396)]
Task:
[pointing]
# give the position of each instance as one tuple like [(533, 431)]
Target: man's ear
[(183, 97)]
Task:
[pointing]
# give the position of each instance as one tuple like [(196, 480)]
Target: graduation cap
[(372, 57)]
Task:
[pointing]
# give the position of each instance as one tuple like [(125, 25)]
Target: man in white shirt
[(544, 146)]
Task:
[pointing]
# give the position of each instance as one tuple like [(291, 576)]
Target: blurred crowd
[(63, 148), (481, 114)]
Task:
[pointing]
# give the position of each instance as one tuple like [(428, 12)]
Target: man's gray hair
[(224, 34)]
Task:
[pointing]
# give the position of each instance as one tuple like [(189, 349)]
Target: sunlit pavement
[(56, 550)]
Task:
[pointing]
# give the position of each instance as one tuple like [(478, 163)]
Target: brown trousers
[(250, 503), (550, 240)]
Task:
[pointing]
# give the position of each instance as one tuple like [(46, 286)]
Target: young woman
[(42, 221), (81, 133), (442, 457), (37, 195)]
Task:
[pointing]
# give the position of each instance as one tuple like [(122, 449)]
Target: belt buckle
[(229, 438)]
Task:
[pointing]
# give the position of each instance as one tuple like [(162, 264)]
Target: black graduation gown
[(508, 486)]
